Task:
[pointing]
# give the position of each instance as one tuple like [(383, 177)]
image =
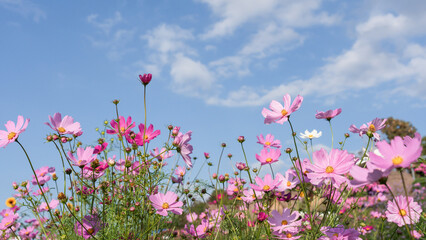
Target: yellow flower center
[(61, 130), (402, 212), (267, 143), (284, 222), (182, 174), (288, 235), (268, 160), (90, 231), (311, 136), (335, 235), (329, 169), (165, 205), (288, 183), (11, 135), (253, 196), (266, 188), (146, 137), (397, 160), (372, 128), (302, 194), (122, 129), (235, 189), (284, 112)]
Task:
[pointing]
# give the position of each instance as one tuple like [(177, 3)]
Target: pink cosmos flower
[(398, 153), (180, 171), (150, 134), (328, 168), (65, 125), (280, 114), (268, 157), (13, 131), (100, 148), (7, 222), (145, 78), (52, 205), (122, 126), (28, 233), (91, 224), (192, 217), (268, 141), (84, 156), (42, 175), (289, 181), (370, 128), (162, 154), (287, 221), (328, 115), (364, 176), (183, 147), (166, 202), (339, 232), (407, 213), (266, 185), (200, 231), (250, 195), (89, 173)]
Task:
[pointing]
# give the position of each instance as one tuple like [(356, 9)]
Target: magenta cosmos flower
[(407, 213), (122, 126), (328, 115), (84, 156), (166, 202), (285, 222), (145, 79), (280, 114), (328, 168), (12, 131), (268, 141), (398, 153), (268, 157), (149, 132), (64, 125), (267, 184)]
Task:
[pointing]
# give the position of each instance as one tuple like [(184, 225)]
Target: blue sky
[(215, 65)]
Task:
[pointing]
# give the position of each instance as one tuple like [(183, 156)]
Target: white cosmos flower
[(310, 135)]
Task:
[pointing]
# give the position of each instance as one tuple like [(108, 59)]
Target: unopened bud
[(241, 139)]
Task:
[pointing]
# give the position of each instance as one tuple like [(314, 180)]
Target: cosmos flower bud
[(241, 139), (145, 79), (207, 155), (222, 178), (214, 175)]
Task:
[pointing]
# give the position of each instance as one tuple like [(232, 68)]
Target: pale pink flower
[(285, 222), (122, 126), (328, 115), (6, 223), (183, 147), (268, 141), (370, 128), (191, 217), (84, 156), (328, 168), (339, 232), (64, 125), (267, 184), (250, 195), (180, 171), (407, 213), (166, 202), (42, 175), (416, 234), (398, 153), (280, 113), (28, 233), (12, 131), (364, 176), (289, 181), (52, 205), (268, 157), (162, 154)]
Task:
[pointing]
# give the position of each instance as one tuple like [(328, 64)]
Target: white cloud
[(168, 38), (24, 8), (114, 40), (107, 24), (190, 77)]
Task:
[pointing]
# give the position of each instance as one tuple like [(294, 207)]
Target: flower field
[(128, 186)]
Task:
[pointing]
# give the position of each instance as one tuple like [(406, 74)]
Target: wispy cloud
[(115, 40), (24, 8)]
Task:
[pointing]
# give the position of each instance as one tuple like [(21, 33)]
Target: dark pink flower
[(100, 148), (12, 131), (280, 113), (122, 126), (64, 125), (145, 79), (150, 134), (328, 115)]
